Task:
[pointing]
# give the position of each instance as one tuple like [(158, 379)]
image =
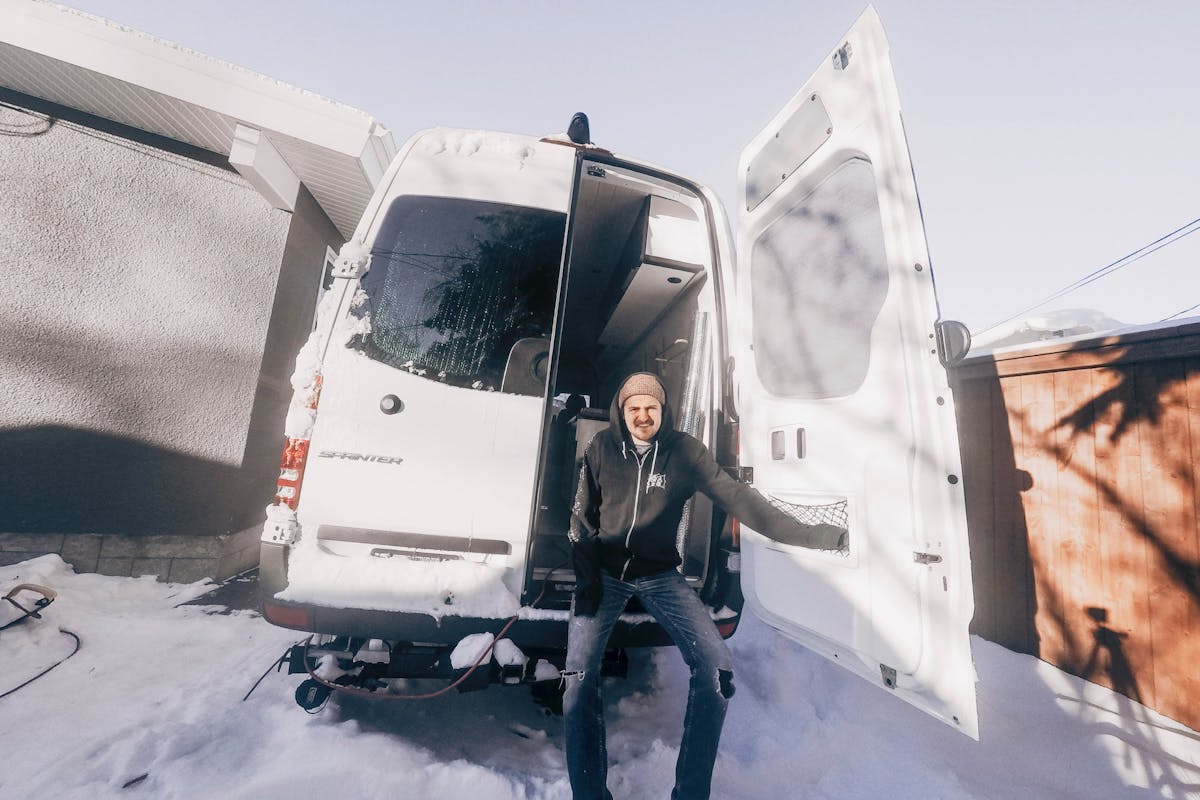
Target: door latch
[(927, 558)]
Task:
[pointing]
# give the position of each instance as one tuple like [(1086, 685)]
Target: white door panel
[(467, 459), (845, 408)]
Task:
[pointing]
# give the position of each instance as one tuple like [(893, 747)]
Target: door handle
[(779, 445)]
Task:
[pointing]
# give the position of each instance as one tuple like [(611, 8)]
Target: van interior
[(638, 260)]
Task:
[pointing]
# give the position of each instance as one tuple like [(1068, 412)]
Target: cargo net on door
[(827, 513)]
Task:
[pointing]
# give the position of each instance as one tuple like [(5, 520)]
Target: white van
[(494, 294)]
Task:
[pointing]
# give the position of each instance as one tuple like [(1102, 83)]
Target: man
[(637, 475)]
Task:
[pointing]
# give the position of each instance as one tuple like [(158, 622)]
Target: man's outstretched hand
[(828, 537), (821, 536)]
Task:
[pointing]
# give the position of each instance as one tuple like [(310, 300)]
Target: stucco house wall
[(145, 281)]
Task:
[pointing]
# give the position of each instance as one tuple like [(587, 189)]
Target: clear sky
[(1048, 138)]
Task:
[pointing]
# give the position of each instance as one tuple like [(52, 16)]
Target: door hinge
[(927, 558), (596, 172), (889, 675), (746, 474), (350, 266), (841, 56)]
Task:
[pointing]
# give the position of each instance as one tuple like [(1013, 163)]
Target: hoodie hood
[(616, 418)]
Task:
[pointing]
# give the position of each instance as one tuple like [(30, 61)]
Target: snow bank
[(153, 701)]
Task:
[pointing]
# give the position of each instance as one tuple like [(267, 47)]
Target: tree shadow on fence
[(1092, 503)]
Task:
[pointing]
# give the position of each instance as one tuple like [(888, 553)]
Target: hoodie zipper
[(653, 463), (637, 494)]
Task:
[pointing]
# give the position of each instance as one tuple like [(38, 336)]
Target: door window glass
[(818, 280), (460, 291)]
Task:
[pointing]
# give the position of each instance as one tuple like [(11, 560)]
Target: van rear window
[(819, 277), (462, 291)]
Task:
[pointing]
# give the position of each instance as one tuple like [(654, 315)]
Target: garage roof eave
[(86, 62)]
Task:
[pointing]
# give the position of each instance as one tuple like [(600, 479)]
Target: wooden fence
[(1080, 463)]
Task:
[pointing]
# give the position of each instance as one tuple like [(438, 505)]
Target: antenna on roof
[(579, 131)]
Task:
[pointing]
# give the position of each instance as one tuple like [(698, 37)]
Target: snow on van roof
[(455, 141)]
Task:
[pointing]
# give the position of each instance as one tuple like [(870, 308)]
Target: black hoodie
[(628, 506)]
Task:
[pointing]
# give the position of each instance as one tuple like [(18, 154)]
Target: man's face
[(643, 416)]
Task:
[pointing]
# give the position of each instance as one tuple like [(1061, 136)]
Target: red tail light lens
[(291, 472), (735, 530), (295, 456)]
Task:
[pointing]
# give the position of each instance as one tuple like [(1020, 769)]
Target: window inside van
[(455, 287), (818, 281)]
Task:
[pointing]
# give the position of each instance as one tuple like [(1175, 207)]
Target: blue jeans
[(677, 608)]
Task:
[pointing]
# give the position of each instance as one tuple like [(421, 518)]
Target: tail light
[(735, 530), (293, 459), (291, 472), (298, 617)]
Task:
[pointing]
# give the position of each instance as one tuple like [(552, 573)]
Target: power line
[(1180, 313), (1107, 269), (1138, 257)]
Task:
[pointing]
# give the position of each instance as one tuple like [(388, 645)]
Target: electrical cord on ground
[(276, 666), (47, 597), (78, 644)]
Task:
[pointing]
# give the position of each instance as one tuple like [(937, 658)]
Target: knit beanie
[(641, 383)]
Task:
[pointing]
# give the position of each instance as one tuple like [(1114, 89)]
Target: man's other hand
[(589, 588)]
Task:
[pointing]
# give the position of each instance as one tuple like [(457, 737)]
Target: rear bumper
[(399, 626), (407, 627)]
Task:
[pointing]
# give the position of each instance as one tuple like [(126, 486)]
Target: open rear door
[(846, 414)]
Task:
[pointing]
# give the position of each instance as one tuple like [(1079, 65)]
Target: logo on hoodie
[(657, 480)]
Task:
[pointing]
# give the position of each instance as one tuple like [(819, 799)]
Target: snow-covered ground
[(152, 702)]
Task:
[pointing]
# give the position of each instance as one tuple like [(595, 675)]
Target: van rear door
[(846, 415), (425, 445)]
